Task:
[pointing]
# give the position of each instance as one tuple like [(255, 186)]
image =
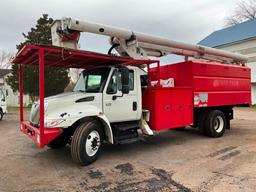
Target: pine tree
[(56, 79)]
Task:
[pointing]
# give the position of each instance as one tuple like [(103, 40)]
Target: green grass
[(17, 109), (254, 106)]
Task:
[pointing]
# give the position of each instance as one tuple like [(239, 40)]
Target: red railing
[(41, 136)]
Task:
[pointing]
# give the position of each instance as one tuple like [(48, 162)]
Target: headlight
[(53, 122), (36, 103)]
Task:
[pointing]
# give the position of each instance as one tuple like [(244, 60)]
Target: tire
[(86, 144), (201, 122), (60, 142), (215, 123), (1, 115)]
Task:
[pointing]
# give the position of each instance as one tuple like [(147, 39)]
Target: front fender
[(71, 115), (107, 128)]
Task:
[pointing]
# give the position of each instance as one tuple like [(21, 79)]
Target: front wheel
[(215, 123), (86, 143)]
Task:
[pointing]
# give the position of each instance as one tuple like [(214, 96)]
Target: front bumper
[(33, 133)]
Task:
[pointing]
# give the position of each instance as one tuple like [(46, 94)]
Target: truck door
[(120, 107)]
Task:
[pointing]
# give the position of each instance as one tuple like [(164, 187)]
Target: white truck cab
[(106, 96), (3, 106)]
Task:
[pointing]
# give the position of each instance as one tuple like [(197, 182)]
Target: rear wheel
[(86, 143), (215, 123)]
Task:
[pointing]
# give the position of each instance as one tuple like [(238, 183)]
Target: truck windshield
[(92, 81)]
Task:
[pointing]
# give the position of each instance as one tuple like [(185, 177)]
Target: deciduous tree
[(5, 58), (56, 79), (245, 10)]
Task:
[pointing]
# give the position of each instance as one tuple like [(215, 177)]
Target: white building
[(240, 38), (13, 97)]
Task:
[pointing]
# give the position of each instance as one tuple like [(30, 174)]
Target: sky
[(181, 20)]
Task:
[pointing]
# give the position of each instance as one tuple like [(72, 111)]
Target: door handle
[(134, 106)]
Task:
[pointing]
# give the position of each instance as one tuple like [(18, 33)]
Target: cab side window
[(112, 85), (115, 82), (131, 81)]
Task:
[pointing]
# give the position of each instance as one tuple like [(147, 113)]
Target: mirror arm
[(114, 97)]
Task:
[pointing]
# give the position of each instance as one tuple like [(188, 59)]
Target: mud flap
[(145, 128)]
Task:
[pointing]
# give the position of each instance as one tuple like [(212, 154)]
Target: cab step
[(124, 126), (125, 132)]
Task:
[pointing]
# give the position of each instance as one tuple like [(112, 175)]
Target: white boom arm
[(65, 33)]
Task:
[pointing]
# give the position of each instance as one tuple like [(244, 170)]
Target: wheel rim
[(218, 124), (92, 143)]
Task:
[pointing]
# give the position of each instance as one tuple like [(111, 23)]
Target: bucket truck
[(121, 97)]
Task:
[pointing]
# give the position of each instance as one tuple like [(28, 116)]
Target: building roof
[(236, 33), (4, 72)]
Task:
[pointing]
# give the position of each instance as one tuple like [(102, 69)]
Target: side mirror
[(125, 80)]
